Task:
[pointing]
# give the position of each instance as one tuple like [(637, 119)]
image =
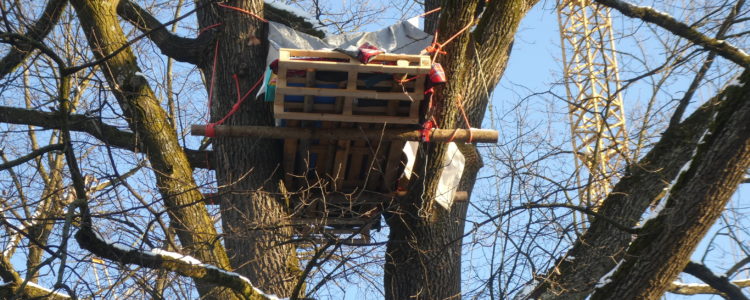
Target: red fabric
[(427, 130), (367, 52), (210, 130)]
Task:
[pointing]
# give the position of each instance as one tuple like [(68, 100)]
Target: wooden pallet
[(339, 180), (332, 86)]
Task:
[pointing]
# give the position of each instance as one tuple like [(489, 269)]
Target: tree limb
[(179, 48), (13, 285), (650, 15), (720, 283), (643, 184), (185, 266), (20, 51), (106, 133), (695, 201), (30, 156), (696, 289)]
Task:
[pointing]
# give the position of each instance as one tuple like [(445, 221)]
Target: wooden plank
[(278, 102), (340, 163), (289, 158), (347, 118), (343, 66), (363, 94), (407, 133), (309, 82), (338, 55)]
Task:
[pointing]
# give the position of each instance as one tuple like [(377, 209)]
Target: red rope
[(242, 11), (209, 27), (237, 105), (429, 12), (466, 120), (437, 48)]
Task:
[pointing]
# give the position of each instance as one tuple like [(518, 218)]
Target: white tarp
[(402, 38), (454, 166)]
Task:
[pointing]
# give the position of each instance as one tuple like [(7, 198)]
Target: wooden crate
[(332, 86)]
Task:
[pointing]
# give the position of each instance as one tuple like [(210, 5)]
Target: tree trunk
[(663, 248), (597, 250), (248, 170), (148, 120), (423, 255)]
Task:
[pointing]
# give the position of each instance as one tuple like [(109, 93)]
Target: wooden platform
[(332, 86), (335, 181)]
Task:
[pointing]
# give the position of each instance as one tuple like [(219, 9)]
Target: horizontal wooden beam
[(396, 134)]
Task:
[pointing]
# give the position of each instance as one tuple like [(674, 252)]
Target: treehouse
[(350, 125)]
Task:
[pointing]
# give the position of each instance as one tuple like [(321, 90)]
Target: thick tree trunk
[(248, 170), (423, 255), (697, 199), (597, 250), (148, 120)]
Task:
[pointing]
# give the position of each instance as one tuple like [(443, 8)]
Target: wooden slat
[(290, 157), (363, 94), (411, 58), (347, 118), (343, 66)]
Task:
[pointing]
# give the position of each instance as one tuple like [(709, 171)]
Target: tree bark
[(148, 120), (697, 199), (597, 250), (248, 169), (423, 255)]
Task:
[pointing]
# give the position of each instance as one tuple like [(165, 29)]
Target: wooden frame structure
[(332, 86)]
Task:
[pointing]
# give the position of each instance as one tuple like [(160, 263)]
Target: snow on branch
[(698, 288), (161, 259), (651, 15)]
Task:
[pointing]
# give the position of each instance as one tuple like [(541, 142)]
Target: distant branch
[(30, 156), (37, 32), (106, 133), (669, 23)]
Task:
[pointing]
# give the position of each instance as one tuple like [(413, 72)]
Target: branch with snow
[(715, 284), (161, 259), (663, 20), (13, 285)]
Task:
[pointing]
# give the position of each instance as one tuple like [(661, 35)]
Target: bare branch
[(30, 156), (177, 47), (106, 133), (720, 283), (185, 265), (20, 51), (723, 48)]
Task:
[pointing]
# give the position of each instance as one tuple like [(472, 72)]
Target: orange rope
[(429, 12), (466, 118), (242, 11), (437, 48), (209, 27)]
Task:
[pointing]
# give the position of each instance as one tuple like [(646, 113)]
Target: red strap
[(210, 130), (426, 131)]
